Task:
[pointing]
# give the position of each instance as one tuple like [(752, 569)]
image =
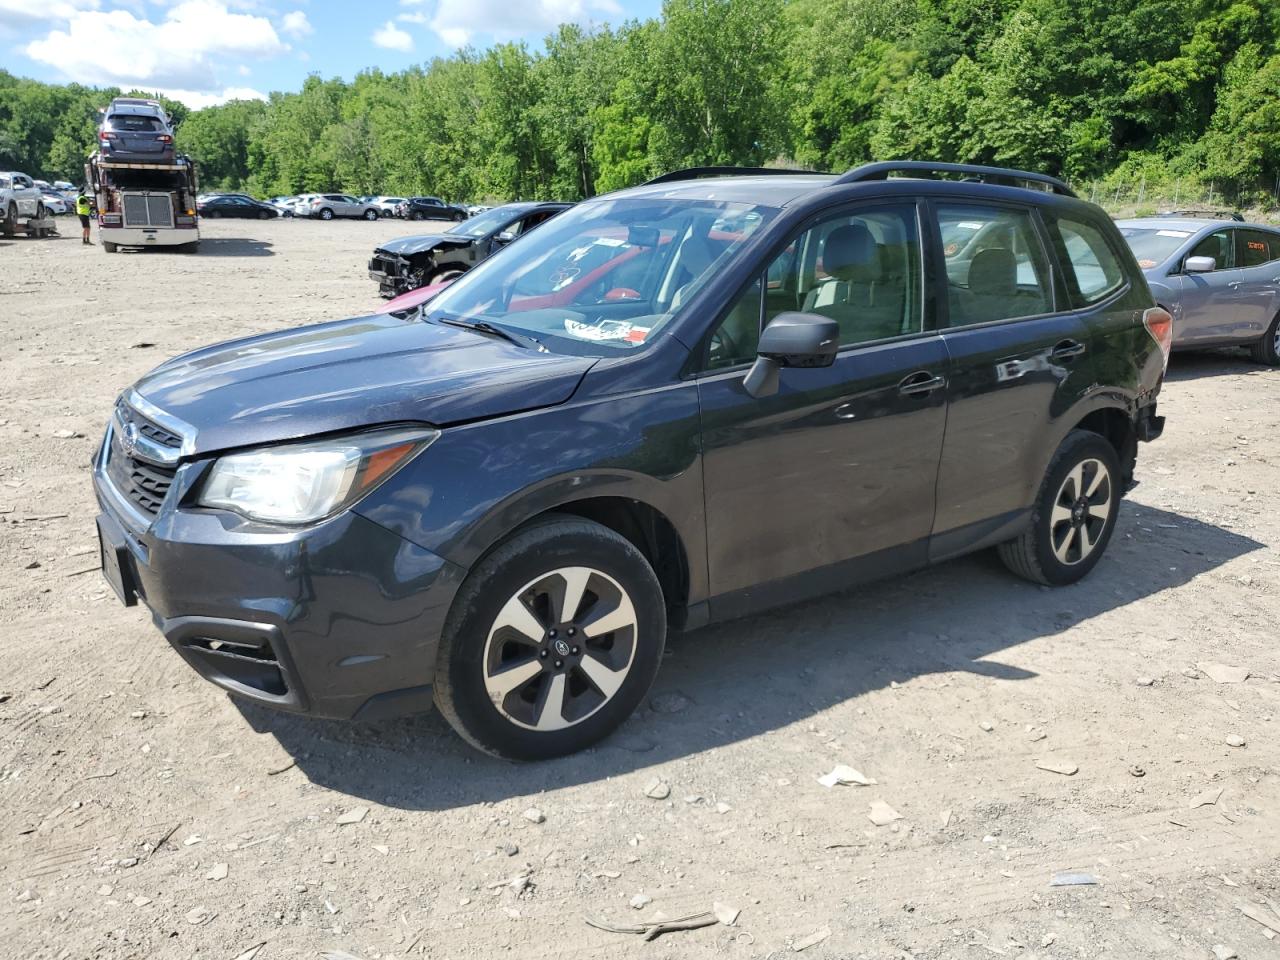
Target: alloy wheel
[(560, 648), (1081, 511)]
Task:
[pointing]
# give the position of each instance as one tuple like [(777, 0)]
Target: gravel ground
[(145, 814)]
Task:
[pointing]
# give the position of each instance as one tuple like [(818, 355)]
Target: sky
[(203, 52)]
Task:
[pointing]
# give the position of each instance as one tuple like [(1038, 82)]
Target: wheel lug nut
[(543, 654), (559, 664), (575, 651), (551, 633), (572, 631)]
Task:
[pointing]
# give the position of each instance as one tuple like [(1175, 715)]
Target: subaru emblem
[(130, 438)]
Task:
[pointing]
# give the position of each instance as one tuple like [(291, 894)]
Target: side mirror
[(1200, 265), (505, 237), (791, 340)]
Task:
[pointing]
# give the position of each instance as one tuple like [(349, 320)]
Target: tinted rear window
[(133, 124), (1257, 247), (1093, 269)]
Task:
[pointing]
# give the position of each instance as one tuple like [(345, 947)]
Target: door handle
[(920, 384), (1235, 283), (1067, 350)]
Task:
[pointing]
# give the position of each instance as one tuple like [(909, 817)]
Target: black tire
[(446, 273), (417, 215), (458, 217), (1032, 556), (1267, 350), (193, 247), (109, 247), (371, 214), (266, 215), (11, 219), (326, 214), (519, 564), (213, 215), (40, 214)]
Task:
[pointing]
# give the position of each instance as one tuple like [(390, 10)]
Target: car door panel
[(1008, 382), (841, 463), (1258, 289)]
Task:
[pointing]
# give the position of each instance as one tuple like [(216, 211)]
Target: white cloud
[(180, 52), (296, 24), (458, 22), (14, 12), (391, 37), (198, 99)]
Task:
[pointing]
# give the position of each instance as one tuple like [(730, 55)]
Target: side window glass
[(1094, 271), (736, 338), (995, 266), (1216, 245), (860, 269), (1255, 248)]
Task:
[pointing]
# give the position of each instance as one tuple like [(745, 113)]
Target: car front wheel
[(1267, 350), (553, 640), (1074, 514)]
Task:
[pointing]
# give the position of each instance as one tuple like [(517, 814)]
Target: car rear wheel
[(371, 214), (11, 219), (417, 215), (458, 217), (40, 214), (326, 214), (265, 215), (1267, 350), (213, 215), (553, 641), (109, 247), (1074, 514)]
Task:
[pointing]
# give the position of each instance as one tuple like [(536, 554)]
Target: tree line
[(1084, 89)]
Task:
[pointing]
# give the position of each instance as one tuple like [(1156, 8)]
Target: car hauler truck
[(145, 204)]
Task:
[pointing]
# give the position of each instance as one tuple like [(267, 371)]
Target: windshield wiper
[(483, 326)]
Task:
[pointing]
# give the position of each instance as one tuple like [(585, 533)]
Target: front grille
[(390, 266), (143, 484), (148, 210), (159, 434)]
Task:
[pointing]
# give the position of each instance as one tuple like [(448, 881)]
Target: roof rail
[(1199, 213), (695, 173), (1000, 175)]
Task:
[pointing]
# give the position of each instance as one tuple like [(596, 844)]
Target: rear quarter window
[(1093, 270), (1257, 247)]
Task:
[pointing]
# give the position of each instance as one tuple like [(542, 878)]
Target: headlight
[(304, 482)]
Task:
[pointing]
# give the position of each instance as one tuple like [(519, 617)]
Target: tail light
[(165, 138), (1159, 323), (107, 135)]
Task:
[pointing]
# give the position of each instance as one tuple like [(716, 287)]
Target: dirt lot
[(146, 815)]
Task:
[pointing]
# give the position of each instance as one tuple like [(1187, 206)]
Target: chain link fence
[(1140, 198)]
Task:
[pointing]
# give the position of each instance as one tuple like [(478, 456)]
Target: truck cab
[(145, 204)]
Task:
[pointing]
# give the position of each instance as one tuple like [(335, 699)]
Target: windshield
[(483, 224), (604, 277), (134, 124), (1152, 247)]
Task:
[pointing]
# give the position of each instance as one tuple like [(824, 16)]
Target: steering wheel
[(725, 342)]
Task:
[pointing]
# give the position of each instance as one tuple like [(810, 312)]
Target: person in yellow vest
[(83, 209)]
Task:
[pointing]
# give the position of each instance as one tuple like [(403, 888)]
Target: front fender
[(480, 481)]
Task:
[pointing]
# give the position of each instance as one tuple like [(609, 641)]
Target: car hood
[(350, 374), (432, 241)]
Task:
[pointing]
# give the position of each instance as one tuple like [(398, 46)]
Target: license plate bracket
[(117, 567)]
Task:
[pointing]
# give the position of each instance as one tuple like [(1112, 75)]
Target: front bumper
[(339, 619), (390, 273)]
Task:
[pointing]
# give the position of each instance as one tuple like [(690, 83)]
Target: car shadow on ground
[(1224, 361), (216, 247), (741, 679)]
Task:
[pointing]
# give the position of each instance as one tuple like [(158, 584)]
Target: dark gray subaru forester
[(684, 402)]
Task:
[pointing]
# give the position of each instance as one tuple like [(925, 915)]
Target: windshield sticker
[(606, 330), (968, 225), (1180, 234), (1146, 264), (610, 242)]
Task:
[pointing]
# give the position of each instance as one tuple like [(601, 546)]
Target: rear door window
[(1093, 270), (1255, 247), (996, 267)]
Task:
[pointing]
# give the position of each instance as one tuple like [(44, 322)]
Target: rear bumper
[(336, 620)]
